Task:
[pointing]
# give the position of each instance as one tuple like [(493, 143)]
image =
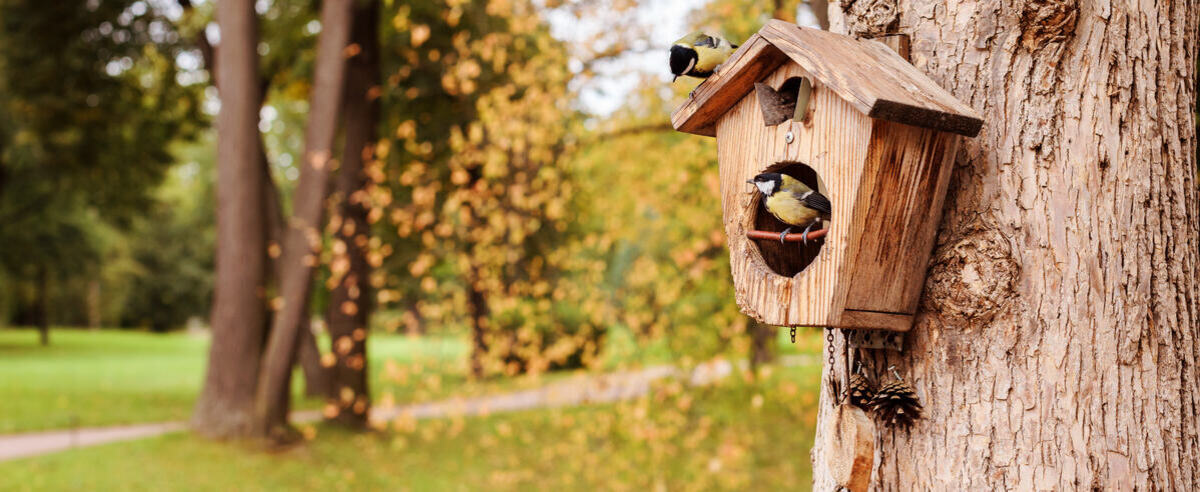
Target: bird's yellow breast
[(785, 207)]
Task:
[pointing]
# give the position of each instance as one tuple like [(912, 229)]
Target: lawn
[(109, 377), (739, 434)]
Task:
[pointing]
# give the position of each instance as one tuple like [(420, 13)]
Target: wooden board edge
[(874, 320), (926, 118)]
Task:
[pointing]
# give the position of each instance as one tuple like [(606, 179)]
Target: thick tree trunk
[(350, 305), (226, 404), (1056, 347), (302, 241)]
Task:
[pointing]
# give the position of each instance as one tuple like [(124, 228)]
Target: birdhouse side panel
[(833, 141), (898, 209)]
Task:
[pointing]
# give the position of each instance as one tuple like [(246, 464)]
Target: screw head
[(788, 137)]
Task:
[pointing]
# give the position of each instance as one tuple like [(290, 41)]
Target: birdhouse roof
[(866, 73)]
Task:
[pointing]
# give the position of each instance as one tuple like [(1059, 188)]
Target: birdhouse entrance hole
[(789, 258), (789, 102)]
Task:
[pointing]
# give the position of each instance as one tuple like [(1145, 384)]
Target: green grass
[(109, 377), (737, 435)]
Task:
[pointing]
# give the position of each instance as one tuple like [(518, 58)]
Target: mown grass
[(740, 434), (108, 377)]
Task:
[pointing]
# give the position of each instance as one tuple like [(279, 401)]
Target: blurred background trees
[(480, 185)]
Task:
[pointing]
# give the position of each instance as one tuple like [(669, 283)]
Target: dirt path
[(577, 390)]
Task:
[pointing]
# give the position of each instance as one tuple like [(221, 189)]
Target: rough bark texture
[(1055, 348), (302, 239), (350, 304), (226, 404)]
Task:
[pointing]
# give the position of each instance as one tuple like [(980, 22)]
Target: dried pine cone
[(861, 391), (897, 404)]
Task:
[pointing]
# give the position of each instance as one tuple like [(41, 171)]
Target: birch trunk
[(1056, 345)]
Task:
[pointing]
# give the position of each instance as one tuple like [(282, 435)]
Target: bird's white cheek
[(691, 64), (765, 188)]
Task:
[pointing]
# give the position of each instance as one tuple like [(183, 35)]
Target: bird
[(698, 55), (792, 202)]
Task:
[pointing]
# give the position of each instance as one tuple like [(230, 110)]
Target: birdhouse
[(854, 120)]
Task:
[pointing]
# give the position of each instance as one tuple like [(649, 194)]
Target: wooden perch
[(790, 238)]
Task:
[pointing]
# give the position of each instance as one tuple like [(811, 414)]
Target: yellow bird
[(792, 202), (698, 55)]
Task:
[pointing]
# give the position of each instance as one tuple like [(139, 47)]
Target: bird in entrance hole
[(698, 55), (792, 202)]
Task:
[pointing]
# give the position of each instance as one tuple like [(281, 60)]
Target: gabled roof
[(867, 74)]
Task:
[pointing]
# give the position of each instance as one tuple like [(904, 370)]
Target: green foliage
[(89, 104)]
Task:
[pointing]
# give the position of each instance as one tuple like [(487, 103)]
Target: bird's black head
[(682, 60), (767, 183)]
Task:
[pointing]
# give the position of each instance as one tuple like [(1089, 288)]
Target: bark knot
[(1047, 21), (870, 18), (972, 277)]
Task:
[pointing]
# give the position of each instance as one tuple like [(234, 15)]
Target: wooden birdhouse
[(854, 120)]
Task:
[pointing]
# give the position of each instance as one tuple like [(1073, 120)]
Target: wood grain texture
[(869, 75), (896, 215)]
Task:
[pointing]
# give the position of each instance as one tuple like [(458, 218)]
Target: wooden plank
[(896, 216), (873, 78), (752, 61), (834, 142), (870, 320)]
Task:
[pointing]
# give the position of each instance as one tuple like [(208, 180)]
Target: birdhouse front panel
[(832, 142)]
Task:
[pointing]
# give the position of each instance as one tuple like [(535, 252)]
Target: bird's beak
[(751, 181), (673, 79)]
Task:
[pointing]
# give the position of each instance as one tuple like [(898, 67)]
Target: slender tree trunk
[(478, 310), (43, 305), (302, 240), (820, 9), (350, 305), (1056, 347), (762, 344), (226, 404), (93, 304)]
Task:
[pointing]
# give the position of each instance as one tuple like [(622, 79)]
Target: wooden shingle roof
[(867, 74)]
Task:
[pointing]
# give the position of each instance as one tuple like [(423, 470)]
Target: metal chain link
[(829, 345)]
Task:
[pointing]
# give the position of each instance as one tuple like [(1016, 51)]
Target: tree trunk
[(762, 343), (302, 240), (1056, 346), (478, 310), (350, 304), (42, 307), (226, 404)]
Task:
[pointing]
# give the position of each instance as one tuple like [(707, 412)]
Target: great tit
[(792, 202), (698, 54)]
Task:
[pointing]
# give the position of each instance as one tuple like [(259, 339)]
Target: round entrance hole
[(789, 258)]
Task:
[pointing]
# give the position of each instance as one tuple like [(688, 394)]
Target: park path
[(574, 390)]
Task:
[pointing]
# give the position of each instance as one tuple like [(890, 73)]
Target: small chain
[(829, 345), (793, 335)]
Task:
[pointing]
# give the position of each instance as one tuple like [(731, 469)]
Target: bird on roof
[(792, 202), (698, 55)]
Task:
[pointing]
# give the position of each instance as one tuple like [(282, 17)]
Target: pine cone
[(897, 404), (861, 391)]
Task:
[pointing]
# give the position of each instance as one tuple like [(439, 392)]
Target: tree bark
[(349, 307), (478, 310), (226, 404), (302, 240), (1056, 344)]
